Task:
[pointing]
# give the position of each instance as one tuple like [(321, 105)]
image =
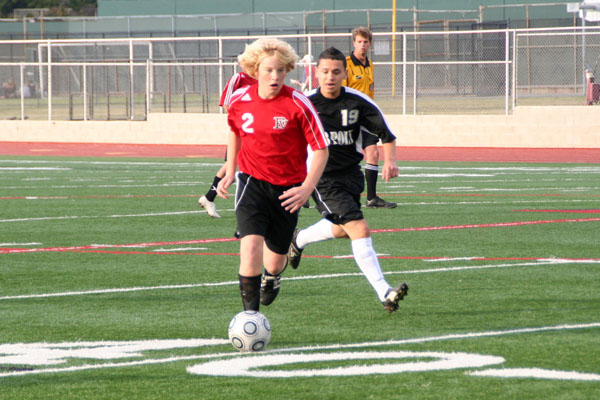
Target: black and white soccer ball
[(249, 331)]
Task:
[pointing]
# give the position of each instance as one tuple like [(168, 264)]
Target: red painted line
[(488, 195), (164, 253), (93, 247), (330, 256), (496, 225), (199, 241), (564, 211)]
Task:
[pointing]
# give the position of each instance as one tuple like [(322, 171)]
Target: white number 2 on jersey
[(349, 118), (248, 120)]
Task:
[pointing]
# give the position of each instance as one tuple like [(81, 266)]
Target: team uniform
[(272, 158), (337, 195), (338, 192), (238, 80), (361, 78)]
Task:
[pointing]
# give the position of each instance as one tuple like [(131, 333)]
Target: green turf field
[(114, 284)]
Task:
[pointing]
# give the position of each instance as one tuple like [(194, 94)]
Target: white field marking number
[(40, 358)]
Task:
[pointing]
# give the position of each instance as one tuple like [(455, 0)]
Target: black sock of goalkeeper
[(250, 291), (212, 192)]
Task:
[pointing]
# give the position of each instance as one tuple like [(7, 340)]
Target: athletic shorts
[(368, 138), (337, 196), (259, 212)]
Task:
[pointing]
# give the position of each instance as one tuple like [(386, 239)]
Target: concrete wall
[(535, 127)]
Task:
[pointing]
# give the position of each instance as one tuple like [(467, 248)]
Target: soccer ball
[(249, 331)]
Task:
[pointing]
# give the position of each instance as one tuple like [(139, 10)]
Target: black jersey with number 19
[(342, 118)]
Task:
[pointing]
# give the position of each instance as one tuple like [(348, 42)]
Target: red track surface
[(487, 154)]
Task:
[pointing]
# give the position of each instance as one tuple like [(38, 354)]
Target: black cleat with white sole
[(294, 252), (269, 288), (393, 296)]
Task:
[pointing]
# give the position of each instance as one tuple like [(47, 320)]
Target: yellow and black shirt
[(360, 76)]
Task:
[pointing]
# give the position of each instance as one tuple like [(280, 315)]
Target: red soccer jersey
[(239, 80), (275, 133)]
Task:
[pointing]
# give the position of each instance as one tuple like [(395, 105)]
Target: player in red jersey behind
[(271, 126), (238, 80)]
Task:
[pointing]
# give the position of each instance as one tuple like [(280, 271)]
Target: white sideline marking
[(104, 216), (20, 244), (558, 189), (297, 278), (537, 373), (148, 185), (180, 249), (34, 169), (422, 203), (352, 256), (117, 290), (308, 348), (452, 203), (446, 175)]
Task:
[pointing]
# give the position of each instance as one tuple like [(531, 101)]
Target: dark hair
[(332, 53)]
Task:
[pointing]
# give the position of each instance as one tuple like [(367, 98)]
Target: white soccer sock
[(367, 261), (315, 233)]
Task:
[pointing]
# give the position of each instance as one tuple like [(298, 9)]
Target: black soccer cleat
[(269, 288), (294, 252), (393, 296), (378, 202)]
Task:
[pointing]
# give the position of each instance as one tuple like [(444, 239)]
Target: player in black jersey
[(343, 111)]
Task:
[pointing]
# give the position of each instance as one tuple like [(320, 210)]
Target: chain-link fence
[(463, 72), (550, 65)]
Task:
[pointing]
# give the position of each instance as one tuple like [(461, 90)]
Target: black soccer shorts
[(259, 212), (337, 196)]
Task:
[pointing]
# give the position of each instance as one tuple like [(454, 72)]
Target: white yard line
[(19, 244), (297, 278), (102, 216)]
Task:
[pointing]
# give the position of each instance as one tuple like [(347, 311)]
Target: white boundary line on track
[(297, 278)]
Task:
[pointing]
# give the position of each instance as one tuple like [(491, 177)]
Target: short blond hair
[(362, 31), (262, 48)]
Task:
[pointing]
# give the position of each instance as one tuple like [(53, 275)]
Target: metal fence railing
[(461, 72)]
